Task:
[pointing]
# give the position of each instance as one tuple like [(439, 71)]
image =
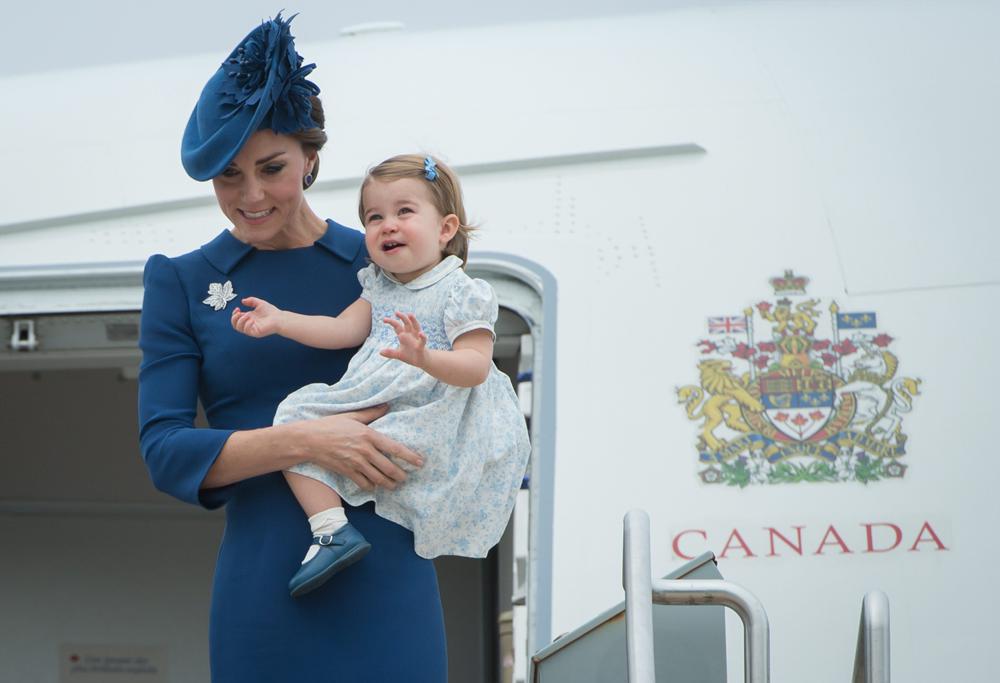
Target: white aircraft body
[(747, 255)]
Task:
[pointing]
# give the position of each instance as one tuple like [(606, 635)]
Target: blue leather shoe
[(336, 551)]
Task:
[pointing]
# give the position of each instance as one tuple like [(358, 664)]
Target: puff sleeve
[(367, 276), (177, 455), (472, 305)]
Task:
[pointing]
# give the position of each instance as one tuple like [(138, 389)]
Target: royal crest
[(798, 390)]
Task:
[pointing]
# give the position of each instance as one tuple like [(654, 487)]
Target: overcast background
[(48, 34)]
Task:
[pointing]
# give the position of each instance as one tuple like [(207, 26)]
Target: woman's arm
[(466, 365), (176, 454), (344, 331), (195, 464), (342, 443)]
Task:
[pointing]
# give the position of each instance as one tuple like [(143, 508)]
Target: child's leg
[(313, 495), (327, 555), (321, 504)]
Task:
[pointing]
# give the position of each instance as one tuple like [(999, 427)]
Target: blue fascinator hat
[(262, 84)]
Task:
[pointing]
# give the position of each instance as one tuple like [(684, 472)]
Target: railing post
[(637, 580), (641, 592), (871, 658)]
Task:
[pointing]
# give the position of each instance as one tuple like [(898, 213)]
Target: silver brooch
[(219, 295)]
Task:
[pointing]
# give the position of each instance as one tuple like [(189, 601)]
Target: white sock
[(324, 523)]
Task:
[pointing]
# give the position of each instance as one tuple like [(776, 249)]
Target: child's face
[(404, 231)]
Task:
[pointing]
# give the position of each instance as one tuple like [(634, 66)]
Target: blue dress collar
[(448, 264), (225, 251)]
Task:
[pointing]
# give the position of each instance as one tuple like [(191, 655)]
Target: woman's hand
[(346, 445), (412, 340), (263, 320)]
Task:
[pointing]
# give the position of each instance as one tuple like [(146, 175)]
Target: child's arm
[(466, 365), (348, 329)]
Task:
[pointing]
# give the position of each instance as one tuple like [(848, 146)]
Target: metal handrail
[(637, 576), (756, 632), (639, 588), (871, 658)]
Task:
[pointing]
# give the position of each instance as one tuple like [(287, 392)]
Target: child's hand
[(262, 321), (412, 341)]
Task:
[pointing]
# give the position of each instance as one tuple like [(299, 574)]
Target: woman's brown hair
[(313, 139)]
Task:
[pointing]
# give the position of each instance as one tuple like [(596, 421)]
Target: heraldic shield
[(820, 399), (798, 402)]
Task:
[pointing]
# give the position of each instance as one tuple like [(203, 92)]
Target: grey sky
[(54, 34)]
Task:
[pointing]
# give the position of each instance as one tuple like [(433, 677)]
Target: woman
[(255, 132)]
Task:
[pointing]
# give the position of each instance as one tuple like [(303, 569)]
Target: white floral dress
[(473, 440)]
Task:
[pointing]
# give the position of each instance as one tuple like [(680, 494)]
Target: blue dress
[(473, 440), (381, 619)]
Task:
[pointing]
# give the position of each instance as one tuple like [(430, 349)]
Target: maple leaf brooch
[(219, 295)]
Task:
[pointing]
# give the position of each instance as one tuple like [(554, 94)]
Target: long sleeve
[(177, 454)]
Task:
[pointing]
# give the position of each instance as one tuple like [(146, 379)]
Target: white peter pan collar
[(449, 264)]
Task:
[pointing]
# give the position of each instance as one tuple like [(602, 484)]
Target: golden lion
[(726, 394), (800, 321)]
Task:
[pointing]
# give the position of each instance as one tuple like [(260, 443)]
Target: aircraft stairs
[(672, 630)]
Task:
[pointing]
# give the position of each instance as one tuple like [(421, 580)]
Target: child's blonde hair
[(445, 190)]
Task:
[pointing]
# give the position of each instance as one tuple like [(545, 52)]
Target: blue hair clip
[(430, 169)]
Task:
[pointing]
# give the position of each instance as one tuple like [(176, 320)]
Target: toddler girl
[(427, 333)]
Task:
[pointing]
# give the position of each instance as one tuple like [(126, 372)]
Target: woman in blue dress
[(255, 132)]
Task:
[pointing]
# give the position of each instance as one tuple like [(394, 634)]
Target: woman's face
[(261, 191)]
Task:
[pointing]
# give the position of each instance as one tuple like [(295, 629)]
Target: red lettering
[(797, 547), (677, 542), (831, 531), (740, 543), (871, 540), (933, 538)]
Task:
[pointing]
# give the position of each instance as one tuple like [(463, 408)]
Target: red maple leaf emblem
[(707, 346), (821, 344), (781, 417), (744, 351), (761, 361), (816, 415), (769, 347), (799, 420), (882, 341), (829, 359)]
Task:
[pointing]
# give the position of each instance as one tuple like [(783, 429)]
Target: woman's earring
[(308, 180)]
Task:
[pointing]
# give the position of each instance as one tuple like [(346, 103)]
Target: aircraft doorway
[(478, 596), (95, 557)]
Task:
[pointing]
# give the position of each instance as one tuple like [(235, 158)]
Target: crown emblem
[(789, 284)]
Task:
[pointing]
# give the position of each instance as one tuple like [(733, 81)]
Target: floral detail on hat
[(219, 295), (266, 71)]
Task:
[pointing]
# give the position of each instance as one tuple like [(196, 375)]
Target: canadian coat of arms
[(794, 390)]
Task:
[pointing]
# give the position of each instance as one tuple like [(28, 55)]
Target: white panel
[(896, 105)]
